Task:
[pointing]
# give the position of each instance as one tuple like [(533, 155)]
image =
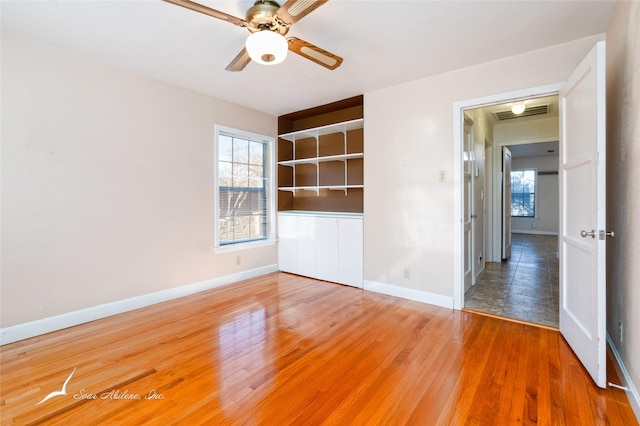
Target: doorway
[(520, 277), (582, 233), (524, 283)]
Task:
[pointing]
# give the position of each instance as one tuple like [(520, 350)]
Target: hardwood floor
[(283, 349)]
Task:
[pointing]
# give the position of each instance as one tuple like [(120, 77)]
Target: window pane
[(242, 230), (240, 150), (523, 191), (240, 175), (242, 190), (226, 231), (255, 183), (225, 174), (256, 153), (258, 227), (226, 204), (226, 148), (242, 203), (256, 171)]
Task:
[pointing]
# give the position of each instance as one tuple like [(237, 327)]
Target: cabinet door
[(306, 248), (351, 248), (327, 253), (287, 243)]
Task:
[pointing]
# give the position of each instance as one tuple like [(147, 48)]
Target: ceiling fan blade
[(188, 4), (294, 10), (314, 53), (240, 61)]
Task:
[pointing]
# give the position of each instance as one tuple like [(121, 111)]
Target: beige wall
[(623, 183), (107, 184), (409, 138)]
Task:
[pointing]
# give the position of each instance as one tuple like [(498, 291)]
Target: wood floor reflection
[(282, 349), (525, 287)]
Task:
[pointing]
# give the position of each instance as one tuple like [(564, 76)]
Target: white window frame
[(270, 187)]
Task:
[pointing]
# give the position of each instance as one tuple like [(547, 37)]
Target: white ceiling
[(551, 101), (383, 42), (540, 149)]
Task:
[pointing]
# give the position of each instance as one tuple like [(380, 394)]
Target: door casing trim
[(458, 193)]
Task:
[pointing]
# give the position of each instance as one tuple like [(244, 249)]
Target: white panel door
[(506, 203), (288, 243), (327, 248), (582, 213), (351, 248)]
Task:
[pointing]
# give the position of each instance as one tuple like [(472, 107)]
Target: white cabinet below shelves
[(327, 247), (288, 243), (306, 236), (351, 251)]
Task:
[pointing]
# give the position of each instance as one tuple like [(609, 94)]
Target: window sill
[(245, 246)]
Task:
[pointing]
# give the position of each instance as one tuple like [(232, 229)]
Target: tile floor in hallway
[(526, 287)]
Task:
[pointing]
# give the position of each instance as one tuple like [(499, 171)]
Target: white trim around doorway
[(458, 120)]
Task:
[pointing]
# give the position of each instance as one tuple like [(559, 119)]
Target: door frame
[(458, 178)]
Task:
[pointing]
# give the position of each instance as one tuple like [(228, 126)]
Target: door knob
[(475, 215), (585, 234)]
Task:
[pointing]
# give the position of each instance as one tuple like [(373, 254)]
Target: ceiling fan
[(268, 23)]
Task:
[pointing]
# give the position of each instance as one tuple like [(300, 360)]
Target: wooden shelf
[(323, 130), (318, 188), (317, 160)]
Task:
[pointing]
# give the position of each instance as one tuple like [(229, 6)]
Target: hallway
[(526, 287)]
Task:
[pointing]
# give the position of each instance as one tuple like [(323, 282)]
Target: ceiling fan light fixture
[(267, 47), (518, 108)]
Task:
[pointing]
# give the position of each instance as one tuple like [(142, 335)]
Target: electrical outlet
[(406, 273), (620, 331), (238, 260), (442, 176)]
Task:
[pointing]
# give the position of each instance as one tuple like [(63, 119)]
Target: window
[(243, 186), (523, 193)]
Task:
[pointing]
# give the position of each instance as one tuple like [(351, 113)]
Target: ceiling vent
[(528, 112)]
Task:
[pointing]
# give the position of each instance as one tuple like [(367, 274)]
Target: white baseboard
[(478, 273), (632, 391), (58, 322), (407, 293), (532, 232)]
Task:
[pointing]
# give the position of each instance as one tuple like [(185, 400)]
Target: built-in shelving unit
[(321, 192), (320, 158), (327, 139)]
